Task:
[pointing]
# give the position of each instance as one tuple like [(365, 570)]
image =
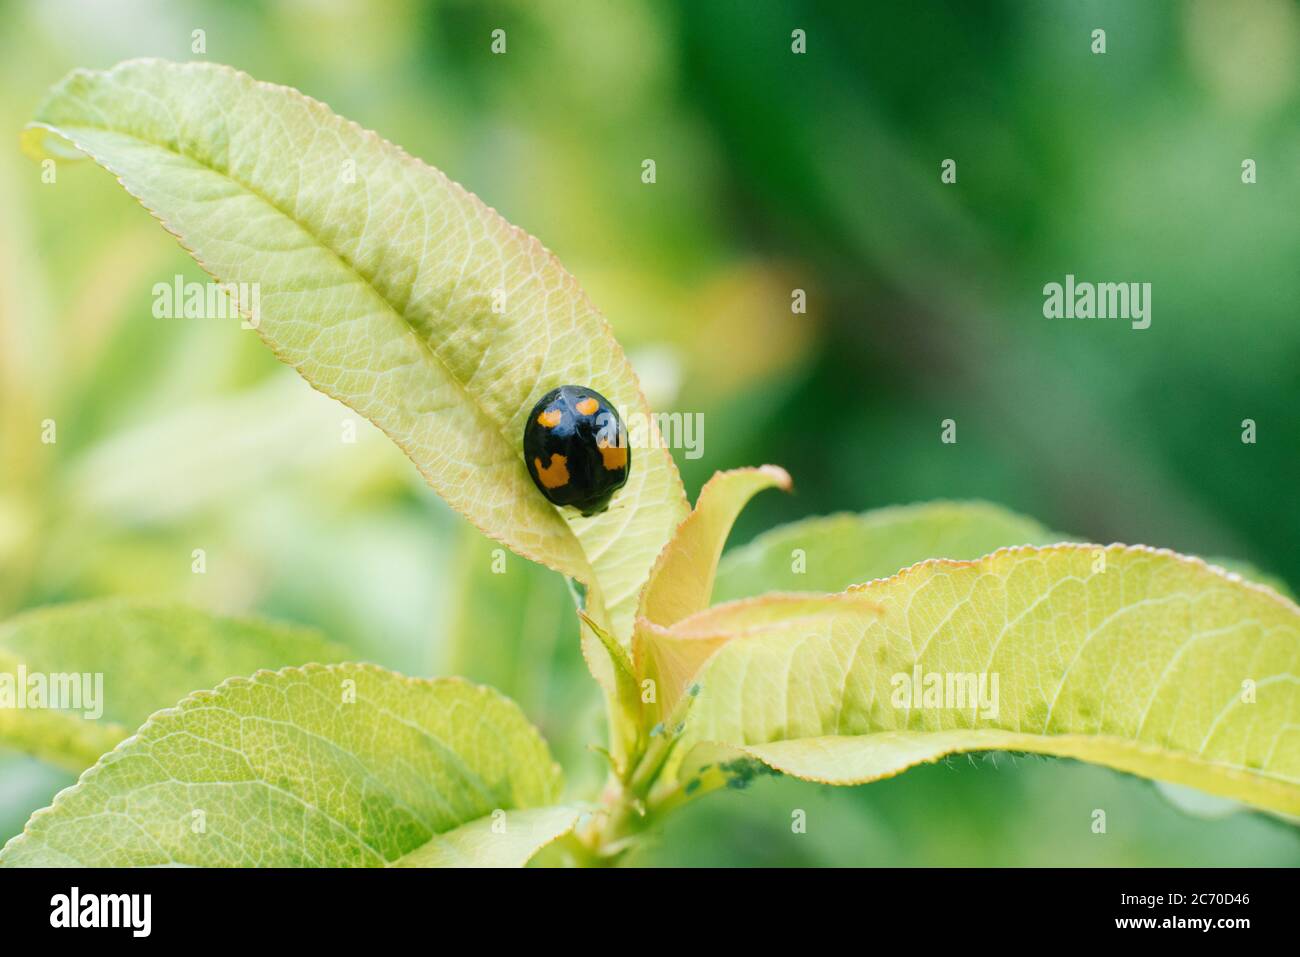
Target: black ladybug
[(576, 448)]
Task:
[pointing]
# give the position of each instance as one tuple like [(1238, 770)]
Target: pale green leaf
[(327, 765), (503, 839), (150, 656), (1148, 661), (831, 553), (388, 287), (218, 453)]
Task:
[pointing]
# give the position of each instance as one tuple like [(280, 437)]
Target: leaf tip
[(779, 476)]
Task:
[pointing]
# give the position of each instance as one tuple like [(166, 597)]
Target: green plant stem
[(606, 839), (645, 772), (625, 813)]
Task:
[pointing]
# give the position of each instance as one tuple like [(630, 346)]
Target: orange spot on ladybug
[(614, 457), (550, 418), (588, 406), (556, 473)]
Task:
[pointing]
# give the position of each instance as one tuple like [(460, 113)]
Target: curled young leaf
[(681, 581)]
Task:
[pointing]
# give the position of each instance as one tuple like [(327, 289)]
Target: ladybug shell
[(575, 447)]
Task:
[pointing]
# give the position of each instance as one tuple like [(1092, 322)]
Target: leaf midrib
[(351, 267)]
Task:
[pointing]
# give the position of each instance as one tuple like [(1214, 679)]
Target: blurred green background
[(774, 172)]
